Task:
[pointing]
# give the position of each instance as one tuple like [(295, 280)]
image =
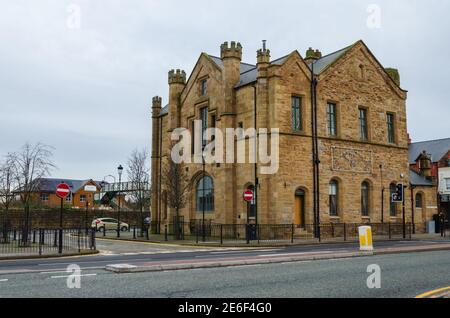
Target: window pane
[(390, 128), (205, 194), (365, 199), (296, 113), (363, 123), (333, 196), (331, 119)]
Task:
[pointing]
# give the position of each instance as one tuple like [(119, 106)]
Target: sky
[(80, 75)]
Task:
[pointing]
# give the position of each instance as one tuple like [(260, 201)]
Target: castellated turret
[(177, 82)]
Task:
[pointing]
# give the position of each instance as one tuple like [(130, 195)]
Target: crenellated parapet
[(263, 56), (234, 50), (177, 77)]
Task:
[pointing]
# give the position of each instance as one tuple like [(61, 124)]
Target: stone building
[(361, 130)]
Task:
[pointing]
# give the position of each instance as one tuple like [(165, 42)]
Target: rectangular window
[(82, 198), (447, 183), (297, 113), (203, 87), (363, 124), (44, 197), (331, 119), (390, 128), (69, 198), (204, 119), (333, 197)]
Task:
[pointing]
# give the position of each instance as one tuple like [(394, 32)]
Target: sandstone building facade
[(361, 130)]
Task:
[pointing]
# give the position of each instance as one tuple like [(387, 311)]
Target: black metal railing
[(15, 241)]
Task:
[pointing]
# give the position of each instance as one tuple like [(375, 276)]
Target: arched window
[(334, 198), (205, 194), (393, 205), (365, 193), (419, 200)]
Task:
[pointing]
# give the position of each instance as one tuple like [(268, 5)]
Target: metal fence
[(22, 242), (282, 233)]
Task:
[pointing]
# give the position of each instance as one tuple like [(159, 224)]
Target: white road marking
[(83, 275), (3, 280), (249, 251), (295, 254)]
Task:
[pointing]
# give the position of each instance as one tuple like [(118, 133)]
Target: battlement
[(311, 54), (177, 77), (232, 51), (263, 56), (156, 102)]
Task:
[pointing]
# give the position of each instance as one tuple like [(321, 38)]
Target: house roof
[(436, 148), (50, 184), (418, 180)]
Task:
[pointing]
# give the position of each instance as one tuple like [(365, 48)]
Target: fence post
[(15, 235), (34, 236), (332, 230), (292, 233), (146, 234), (389, 230), (258, 232), (165, 233), (134, 232), (104, 230), (411, 230), (79, 237), (196, 230), (40, 242), (55, 238)]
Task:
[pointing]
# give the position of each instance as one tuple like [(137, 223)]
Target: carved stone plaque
[(351, 160)]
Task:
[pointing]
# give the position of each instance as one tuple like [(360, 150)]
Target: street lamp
[(119, 172)]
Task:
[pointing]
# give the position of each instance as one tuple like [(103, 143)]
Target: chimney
[(263, 60), (394, 75), (425, 164), (231, 56), (311, 56), (409, 139), (177, 82)]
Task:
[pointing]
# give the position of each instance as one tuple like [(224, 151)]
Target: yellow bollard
[(365, 238)]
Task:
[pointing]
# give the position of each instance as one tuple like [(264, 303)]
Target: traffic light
[(397, 196)]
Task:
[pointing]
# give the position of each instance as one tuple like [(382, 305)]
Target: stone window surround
[(200, 81), (394, 127), (302, 117), (367, 122), (337, 116)]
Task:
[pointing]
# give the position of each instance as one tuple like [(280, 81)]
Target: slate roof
[(418, 180), (436, 148), (50, 184)]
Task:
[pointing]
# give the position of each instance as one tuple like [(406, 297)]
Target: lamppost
[(119, 171), (203, 194)]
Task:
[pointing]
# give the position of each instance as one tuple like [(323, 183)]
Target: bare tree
[(7, 187), (138, 174), (177, 187), (30, 164)]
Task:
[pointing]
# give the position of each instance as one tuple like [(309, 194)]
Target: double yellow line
[(432, 293)]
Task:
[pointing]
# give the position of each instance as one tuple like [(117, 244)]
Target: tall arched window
[(334, 198), (365, 193), (205, 194), (393, 205), (419, 200)]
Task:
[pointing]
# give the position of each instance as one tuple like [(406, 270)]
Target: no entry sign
[(62, 190), (248, 195)]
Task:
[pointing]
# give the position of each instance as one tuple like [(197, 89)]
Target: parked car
[(107, 224)]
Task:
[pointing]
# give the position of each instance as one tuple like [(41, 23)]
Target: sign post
[(62, 191)]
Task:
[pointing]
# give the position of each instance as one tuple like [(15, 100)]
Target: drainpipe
[(160, 171), (315, 155), (412, 209), (256, 161)]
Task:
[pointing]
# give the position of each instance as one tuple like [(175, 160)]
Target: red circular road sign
[(248, 195), (62, 190)]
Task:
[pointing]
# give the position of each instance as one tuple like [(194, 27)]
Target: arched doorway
[(299, 208)]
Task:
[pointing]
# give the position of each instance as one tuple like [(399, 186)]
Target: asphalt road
[(143, 253), (402, 275)]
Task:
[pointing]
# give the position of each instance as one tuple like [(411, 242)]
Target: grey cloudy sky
[(87, 91)]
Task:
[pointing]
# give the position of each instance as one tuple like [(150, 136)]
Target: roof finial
[(264, 44)]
